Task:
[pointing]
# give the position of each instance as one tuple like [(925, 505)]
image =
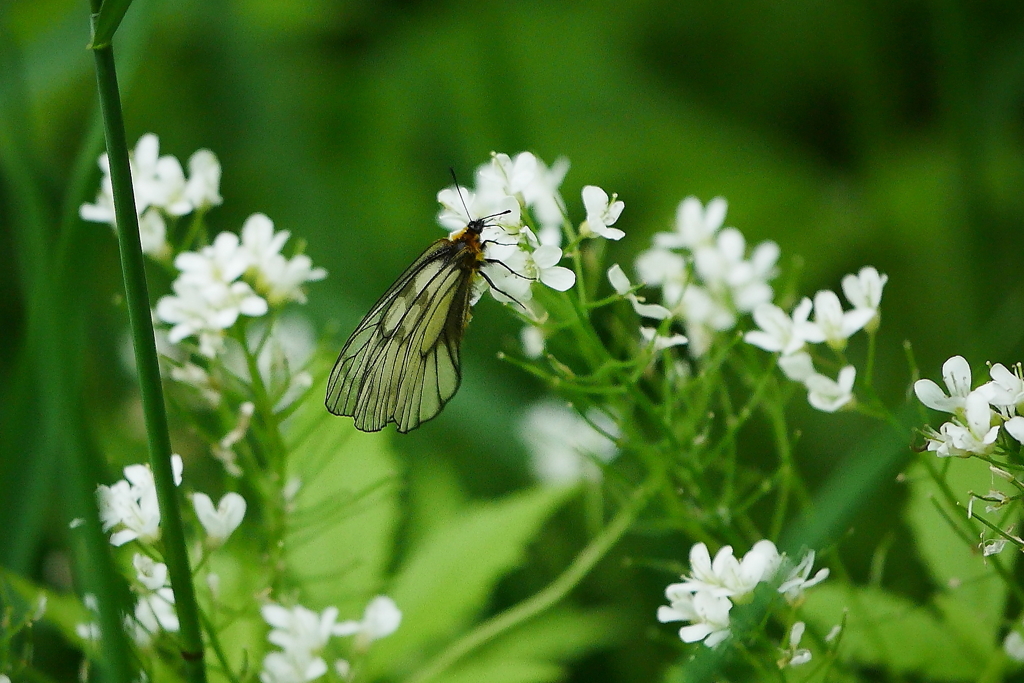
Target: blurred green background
[(851, 133)]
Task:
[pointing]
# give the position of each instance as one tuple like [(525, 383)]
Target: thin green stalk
[(137, 299), (548, 597)]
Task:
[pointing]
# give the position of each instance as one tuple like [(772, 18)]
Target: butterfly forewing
[(401, 363)]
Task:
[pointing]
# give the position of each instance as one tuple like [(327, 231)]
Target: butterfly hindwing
[(401, 363)]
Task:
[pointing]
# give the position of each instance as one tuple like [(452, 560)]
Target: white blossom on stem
[(602, 213), (620, 282), (829, 395), (381, 618), (708, 613), (956, 374), (219, 522)]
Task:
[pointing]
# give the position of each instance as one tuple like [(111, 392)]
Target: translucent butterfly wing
[(401, 363)]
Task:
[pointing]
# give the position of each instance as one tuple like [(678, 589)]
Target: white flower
[(726, 576), (299, 630), (208, 298), (1015, 427), (153, 234), (1006, 387), (864, 291), (291, 667), (380, 618), (798, 366), (219, 523), (1013, 646), (709, 614), (151, 574), (506, 176), (103, 210), (278, 278), (975, 435), (157, 180), (542, 265), (206, 311), (779, 332), (145, 154), (829, 395), (460, 206), (543, 197), (661, 342), (716, 261), (798, 580), (222, 262), (602, 213), (659, 266), (203, 187), (155, 612), (259, 242), (159, 186), (565, 448), (695, 224), (507, 275), (831, 324), (622, 285), (131, 504), (794, 655), (281, 279), (956, 373)]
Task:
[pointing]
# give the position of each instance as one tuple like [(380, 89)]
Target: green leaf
[(954, 566), (340, 534), (449, 576), (435, 496), (533, 652), (106, 22), (886, 630)]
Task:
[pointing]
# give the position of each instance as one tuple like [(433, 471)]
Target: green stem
[(555, 591), (137, 299)]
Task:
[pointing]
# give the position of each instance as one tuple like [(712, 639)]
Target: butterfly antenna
[(459, 190)]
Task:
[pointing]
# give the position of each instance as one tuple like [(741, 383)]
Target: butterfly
[(401, 364)]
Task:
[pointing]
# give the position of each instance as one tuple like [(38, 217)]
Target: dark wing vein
[(401, 363)]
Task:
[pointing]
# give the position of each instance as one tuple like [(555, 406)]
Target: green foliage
[(850, 133), (340, 534), (448, 576)]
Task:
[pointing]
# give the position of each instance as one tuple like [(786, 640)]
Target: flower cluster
[(978, 415), (216, 283), (161, 191), (233, 277), (517, 195), (707, 595), (705, 279), (154, 612), (788, 335), (129, 508), (130, 505), (303, 635), (564, 447)]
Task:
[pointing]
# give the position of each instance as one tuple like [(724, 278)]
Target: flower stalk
[(144, 343)]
